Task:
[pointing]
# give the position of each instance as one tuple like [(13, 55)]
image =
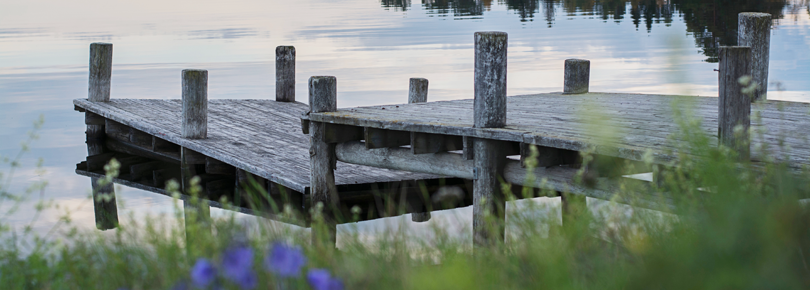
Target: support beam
[(323, 98), (558, 178), (285, 74), (734, 105), (754, 31), (577, 76), (140, 139), (213, 166), (381, 138), (426, 143), (547, 156), (117, 130)]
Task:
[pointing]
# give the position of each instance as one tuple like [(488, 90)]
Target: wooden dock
[(262, 137), (485, 141)]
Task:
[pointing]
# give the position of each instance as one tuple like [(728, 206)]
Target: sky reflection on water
[(640, 46)]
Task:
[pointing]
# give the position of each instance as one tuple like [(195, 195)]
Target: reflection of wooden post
[(104, 206), (754, 31), (322, 98), (577, 76), (734, 106), (100, 72), (285, 74), (489, 112), (417, 93)]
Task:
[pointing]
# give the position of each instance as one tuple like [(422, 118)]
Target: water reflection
[(712, 23)]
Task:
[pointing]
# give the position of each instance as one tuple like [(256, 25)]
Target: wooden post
[(577, 76), (489, 112), (285, 74), (322, 98), (417, 93), (195, 104), (104, 206), (100, 72), (573, 206), (754, 31), (734, 106)]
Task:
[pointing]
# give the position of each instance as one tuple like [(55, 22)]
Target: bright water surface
[(373, 47)]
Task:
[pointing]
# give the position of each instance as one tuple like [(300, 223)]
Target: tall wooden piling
[(577, 76), (323, 98), (285, 74), (577, 81), (195, 104), (100, 72), (417, 93), (489, 112), (754, 31), (734, 105)]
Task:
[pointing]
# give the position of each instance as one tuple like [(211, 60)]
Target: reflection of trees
[(524, 8), (396, 4), (459, 8), (712, 22)]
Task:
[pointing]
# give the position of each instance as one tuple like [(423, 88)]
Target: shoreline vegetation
[(735, 225)]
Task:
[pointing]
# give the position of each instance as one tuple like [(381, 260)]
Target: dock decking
[(262, 137), (638, 122)]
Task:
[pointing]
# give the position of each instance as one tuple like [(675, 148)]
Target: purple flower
[(320, 279), (203, 273), (237, 264), (180, 285), (285, 261), (247, 281)]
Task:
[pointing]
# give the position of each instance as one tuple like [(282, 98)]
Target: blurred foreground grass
[(734, 226)]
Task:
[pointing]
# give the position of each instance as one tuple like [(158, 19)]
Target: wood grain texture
[(577, 76), (100, 72), (490, 79), (195, 103), (640, 122), (285, 74), (754, 31), (271, 146), (735, 106)]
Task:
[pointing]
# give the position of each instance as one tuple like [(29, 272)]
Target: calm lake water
[(373, 47)]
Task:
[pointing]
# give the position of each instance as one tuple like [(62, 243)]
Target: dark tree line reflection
[(712, 22)]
